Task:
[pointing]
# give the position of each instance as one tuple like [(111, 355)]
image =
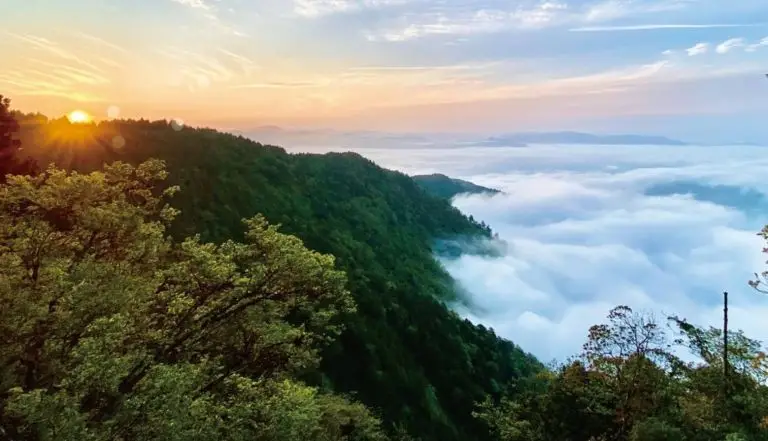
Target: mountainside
[(446, 187), (404, 352)]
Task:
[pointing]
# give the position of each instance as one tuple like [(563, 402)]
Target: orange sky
[(324, 63)]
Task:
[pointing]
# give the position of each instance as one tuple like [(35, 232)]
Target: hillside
[(446, 187), (404, 352)]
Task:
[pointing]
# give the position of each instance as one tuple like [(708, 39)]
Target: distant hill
[(446, 187), (743, 199), (522, 139)]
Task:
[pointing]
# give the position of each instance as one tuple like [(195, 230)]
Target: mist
[(664, 229)]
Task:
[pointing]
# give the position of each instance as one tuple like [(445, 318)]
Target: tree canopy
[(629, 384), (111, 330), (10, 162)]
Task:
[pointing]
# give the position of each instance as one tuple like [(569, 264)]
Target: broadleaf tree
[(111, 330)]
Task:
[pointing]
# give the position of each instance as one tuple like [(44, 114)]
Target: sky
[(664, 230), (686, 68)]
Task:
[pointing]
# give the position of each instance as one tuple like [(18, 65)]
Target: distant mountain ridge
[(525, 138), (511, 139)]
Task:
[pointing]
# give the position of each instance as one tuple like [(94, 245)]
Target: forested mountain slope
[(404, 352), (447, 187)]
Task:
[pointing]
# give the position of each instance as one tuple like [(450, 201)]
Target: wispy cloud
[(432, 87), (205, 69), (365, 88), (481, 21), (279, 85), (32, 82), (755, 46), (729, 44), (194, 70), (697, 49), (81, 76), (651, 27), (607, 10), (195, 4), (448, 20), (319, 8), (210, 12), (53, 48), (246, 64), (102, 42), (54, 69)]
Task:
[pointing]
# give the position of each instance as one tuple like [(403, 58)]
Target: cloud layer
[(662, 229)]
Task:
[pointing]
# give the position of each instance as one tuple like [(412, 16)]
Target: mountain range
[(524, 139)]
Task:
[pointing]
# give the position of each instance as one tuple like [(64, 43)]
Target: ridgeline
[(447, 187)]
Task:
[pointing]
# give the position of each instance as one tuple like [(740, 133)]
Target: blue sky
[(399, 65)]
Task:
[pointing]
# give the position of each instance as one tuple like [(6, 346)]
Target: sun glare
[(79, 117)]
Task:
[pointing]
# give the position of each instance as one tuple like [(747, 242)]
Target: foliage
[(10, 163), (404, 352), (110, 330), (447, 187), (628, 384)]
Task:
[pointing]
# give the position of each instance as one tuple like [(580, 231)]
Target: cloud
[(490, 17), (71, 71), (101, 42), (32, 82), (210, 12), (319, 8), (246, 64), (277, 85), (612, 80), (196, 71), (697, 49), (755, 46), (729, 44), (194, 4), (652, 27), (474, 22), (53, 48), (421, 85), (586, 234), (615, 9)]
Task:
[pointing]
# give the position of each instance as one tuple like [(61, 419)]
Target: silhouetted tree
[(9, 145)]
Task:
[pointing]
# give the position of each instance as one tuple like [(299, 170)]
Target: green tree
[(713, 405), (110, 330), (10, 163)]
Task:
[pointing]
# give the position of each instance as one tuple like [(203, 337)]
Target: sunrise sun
[(79, 117)]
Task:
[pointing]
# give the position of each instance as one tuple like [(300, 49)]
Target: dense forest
[(403, 353), (160, 282), (447, 187)]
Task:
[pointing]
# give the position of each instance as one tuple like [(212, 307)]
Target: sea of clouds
[(658, 228)]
